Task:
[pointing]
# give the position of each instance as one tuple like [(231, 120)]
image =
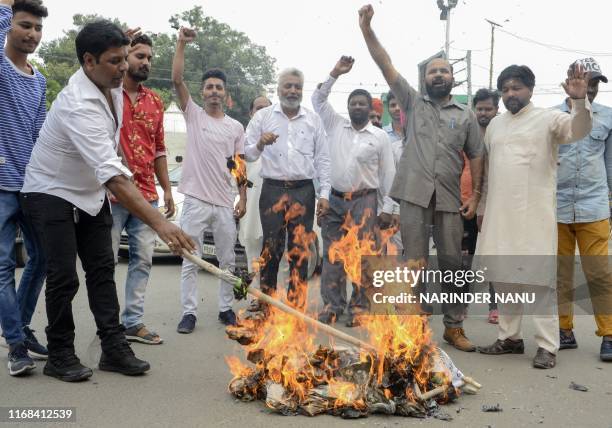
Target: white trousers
[(196, 217), (544, 311)]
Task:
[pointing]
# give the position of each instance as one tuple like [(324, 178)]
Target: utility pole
[(468, 61), (445, 15), (493, 25)]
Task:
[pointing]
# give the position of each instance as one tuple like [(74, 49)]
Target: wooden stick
[(219, 273), (471, 381), (433, 393)]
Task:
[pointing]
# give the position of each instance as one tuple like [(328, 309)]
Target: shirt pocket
[(303, 142), (597, 139), (367, 153)]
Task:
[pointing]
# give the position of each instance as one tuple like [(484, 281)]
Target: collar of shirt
[(595, 108), (89, 90), (451, 103), (367, 128)]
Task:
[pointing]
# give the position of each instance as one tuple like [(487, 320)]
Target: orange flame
[(239, 171)]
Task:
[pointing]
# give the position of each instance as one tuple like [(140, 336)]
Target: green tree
[(248, 66)]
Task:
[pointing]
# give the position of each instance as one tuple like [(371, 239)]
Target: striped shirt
[(22, 113)]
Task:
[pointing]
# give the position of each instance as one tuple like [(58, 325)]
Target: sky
[(546, 35)]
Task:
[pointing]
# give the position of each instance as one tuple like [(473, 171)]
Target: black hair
[(362, 92), (97, 37), (390, 96), (216, 73), (484, 94), (142, 39), (520, 72), (34, 7)]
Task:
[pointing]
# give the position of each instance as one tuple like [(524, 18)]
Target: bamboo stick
[(277, 304)]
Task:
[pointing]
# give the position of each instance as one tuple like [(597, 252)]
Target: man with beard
[(22, 113), (73, 164), (438, 130), (520, 212), (292, 144), (362, 165), (142, 149), (583, 184), (206, 182)]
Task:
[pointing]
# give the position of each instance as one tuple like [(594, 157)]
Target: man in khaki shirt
[(438, 130)]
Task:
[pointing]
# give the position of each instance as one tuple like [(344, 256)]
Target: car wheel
[(21, 255)]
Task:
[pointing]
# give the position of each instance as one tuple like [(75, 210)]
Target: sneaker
[(605, 352), (228, 317), (456, 337), (139, 333), (67, 369), (121, 359), (19, 361), (35, 349), (506, 346), (187, 324), (567, 340), (544, 359)]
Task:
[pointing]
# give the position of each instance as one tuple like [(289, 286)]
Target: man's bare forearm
[(130, 197), (379, 55), (161, 172), (476, 169)]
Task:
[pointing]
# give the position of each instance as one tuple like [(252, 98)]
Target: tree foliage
[(248, 66)]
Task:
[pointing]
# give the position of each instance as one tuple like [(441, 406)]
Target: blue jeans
[(141, 240), (17, 306)]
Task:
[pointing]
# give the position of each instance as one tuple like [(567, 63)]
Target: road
[(187, 385)]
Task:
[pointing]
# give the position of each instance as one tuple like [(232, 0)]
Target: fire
[(237, 167), (353, 246)]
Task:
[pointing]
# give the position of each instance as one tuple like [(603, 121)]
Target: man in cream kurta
[(518, 243)]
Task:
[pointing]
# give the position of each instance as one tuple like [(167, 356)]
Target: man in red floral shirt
[(142, 149)]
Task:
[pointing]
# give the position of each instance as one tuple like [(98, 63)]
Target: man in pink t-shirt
[(206, 182)]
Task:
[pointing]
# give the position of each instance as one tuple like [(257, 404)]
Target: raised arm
[(6, 15), (378, 53), (320, 96), (185, 36), (578, 124)]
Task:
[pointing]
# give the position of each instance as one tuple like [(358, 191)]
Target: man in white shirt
[(73, 163), (362, 165), (291, 142)]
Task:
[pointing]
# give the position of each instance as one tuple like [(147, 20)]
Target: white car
[(208, 248)]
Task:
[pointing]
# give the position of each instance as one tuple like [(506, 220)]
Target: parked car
[(208, 243)]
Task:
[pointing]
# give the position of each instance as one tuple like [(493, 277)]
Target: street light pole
[(445, 15), (493, 25)]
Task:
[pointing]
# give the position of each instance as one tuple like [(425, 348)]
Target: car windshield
[(175, 175)]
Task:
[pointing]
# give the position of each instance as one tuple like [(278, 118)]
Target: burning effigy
[(398, 370)]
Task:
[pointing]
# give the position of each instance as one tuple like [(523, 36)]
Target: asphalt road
[(187, 385)]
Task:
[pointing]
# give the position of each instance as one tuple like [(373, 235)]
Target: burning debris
[(399, 372)]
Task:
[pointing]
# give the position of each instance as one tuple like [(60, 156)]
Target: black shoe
[(35, 349), (544, 359), (567, 340), (19, 362), (187, 324), (605, 352), (328, 317), (506, 346), (228, 317), (121, 359), (67, 369)]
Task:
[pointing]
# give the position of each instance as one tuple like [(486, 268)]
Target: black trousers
[(66, 232), (283, 209)]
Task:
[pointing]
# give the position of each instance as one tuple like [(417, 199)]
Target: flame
[(352, 246), (239, 171)]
